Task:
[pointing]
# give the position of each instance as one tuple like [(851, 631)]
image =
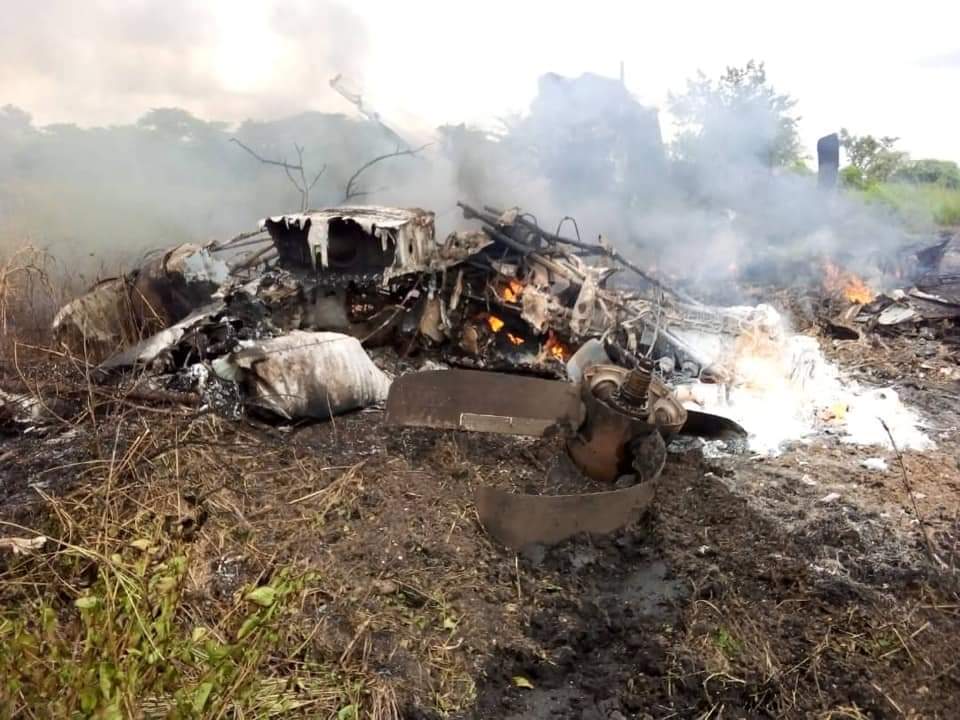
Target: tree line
[(105, 193)]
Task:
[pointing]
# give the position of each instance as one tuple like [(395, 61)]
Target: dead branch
[(913, 499), (301, 184), (356, 99), (352, 191)]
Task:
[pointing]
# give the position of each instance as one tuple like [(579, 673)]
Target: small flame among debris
[(556, 349), (495, 323), (857, 291), (846, 284), (512, 291)]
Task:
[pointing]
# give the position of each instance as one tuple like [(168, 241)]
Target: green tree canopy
[(871, 159), (736, 119)]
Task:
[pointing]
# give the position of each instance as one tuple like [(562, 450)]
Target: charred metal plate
[(483, 402), (711, 427), (517, 521)]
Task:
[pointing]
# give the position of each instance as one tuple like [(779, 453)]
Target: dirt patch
[(603, 633), (737, 618)]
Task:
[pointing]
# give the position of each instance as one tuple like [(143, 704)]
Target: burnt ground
[(745, 593)]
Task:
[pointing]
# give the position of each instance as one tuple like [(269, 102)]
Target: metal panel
[(483, 401), (520, 520)]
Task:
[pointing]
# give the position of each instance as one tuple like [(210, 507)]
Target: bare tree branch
[(292, 179), (303, 177), (352, 191), (322, 170), (266, 161), (302, 186)]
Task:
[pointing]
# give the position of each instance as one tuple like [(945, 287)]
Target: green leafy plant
[(727, 644), (124, 644)]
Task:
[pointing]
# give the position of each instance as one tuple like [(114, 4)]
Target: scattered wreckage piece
[(305, 375), (155, 353), (559, 294), (21, 411), (483, 402), (615, 422), (362, 242), (931, 303), (165, 289), (519, 521), (171, 285), (98, 321), (708, 426), (602, 247), (623, 409), (901, 311), (23, 545), (603, 418)]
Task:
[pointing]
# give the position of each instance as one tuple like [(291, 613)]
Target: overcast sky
[(881, 68)]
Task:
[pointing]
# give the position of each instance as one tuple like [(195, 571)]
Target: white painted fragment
[(875, 463)]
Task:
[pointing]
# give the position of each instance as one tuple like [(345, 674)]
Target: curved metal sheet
[(521, 520)]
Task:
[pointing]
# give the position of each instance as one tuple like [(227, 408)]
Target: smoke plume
[(98, 196)]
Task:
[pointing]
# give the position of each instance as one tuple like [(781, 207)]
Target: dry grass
[(162, 523), (28, 296), (740, 651), (26, 293), (163, 526), (134, 605)]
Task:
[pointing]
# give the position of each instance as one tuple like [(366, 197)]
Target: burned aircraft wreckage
[(279, 323), (537, 334)]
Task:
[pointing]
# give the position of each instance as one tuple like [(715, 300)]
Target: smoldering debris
[(929, 306), (287, 326), (507, 296), (312, 315)]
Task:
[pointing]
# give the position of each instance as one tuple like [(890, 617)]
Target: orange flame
[(858, 291), (841, 282), (512, 291), (555, 348), (496, 324)]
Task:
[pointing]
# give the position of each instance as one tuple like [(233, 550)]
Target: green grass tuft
[(919, 205)]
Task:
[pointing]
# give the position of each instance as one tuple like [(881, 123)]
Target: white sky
[(880, 67)]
